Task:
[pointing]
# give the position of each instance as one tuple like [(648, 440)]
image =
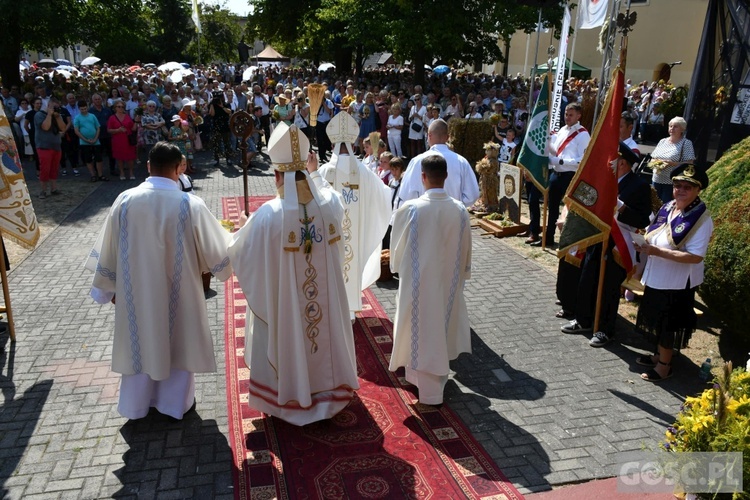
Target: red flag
[(592, 194)]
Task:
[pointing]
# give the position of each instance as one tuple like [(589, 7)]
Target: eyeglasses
[(683, 186), (120, 106)]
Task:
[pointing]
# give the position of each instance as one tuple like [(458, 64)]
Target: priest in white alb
[(431, 251), (367, 209), (148, 260), (299, 343)]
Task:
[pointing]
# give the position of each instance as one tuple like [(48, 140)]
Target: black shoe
[(575, 327)]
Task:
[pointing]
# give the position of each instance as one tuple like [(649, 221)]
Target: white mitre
[(288, 148), (344, 129)]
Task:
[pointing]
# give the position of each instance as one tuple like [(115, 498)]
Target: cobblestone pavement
[(546, 407)]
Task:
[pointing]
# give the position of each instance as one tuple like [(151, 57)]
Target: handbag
[(132, 136), (416, 127)]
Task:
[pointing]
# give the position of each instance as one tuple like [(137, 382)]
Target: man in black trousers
[(633, 211)]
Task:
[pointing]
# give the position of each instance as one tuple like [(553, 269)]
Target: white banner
[(195, 17), (592, 13), (557, 91)]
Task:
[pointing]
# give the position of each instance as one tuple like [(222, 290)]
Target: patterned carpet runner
[(382, 445)]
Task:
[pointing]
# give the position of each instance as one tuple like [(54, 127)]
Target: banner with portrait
[(510, 192)]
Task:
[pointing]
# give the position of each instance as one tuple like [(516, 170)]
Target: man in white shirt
[(461, 183), (148, 260), (566, 150), (261, 99), (432, 322)]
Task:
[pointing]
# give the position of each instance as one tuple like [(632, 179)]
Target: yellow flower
[(701, 422), (741, 405)]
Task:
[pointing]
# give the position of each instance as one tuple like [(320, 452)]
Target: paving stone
[(547, 409)]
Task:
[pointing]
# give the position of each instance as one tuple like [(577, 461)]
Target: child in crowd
[(184, 180), (395, 124), (507, 147), (254, 139), (384, 167), (397, 171), (188, 146)]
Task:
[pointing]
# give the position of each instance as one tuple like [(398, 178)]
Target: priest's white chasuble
[(431, 252), (155, 244), (367, 212), (299, 345)]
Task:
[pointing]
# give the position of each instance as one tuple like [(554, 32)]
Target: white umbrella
[(326, 66), (178, 75), (249, 73), (428, 67), (170, 66), (69, 69), (90, 61), (64, 73)]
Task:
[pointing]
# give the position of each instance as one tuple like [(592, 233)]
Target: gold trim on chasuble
[(313, 311), (346, 229)]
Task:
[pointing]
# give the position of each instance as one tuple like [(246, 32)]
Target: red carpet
[(383, 445)]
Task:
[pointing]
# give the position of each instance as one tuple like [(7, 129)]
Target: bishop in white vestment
[(367, 209), (149, 257), (299, 343), (431, 251)]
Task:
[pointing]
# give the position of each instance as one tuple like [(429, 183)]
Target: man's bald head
[(438, 132)]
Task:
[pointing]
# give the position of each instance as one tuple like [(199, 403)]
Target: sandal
[(103, 178), (645, 360), (93, 178), (653, 376)]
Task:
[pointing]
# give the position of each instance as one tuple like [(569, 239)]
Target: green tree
[(221, 34), (36, 25), (418, 30), (171, 28), (124, 42)]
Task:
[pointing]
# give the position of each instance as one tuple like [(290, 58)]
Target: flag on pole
[(17, 217), (591, 13), (196, 19), (592, 194), (562, 57), (533, 156)]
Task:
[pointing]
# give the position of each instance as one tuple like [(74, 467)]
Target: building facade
[(667, 32)]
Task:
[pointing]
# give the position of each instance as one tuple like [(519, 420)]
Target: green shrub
[(730, 177), (726, 287)]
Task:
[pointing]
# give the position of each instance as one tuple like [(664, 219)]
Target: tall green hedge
[(729, 177), (726, 288)]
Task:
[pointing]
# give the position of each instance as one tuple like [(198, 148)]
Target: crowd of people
[(367, 196), (204, 97)]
